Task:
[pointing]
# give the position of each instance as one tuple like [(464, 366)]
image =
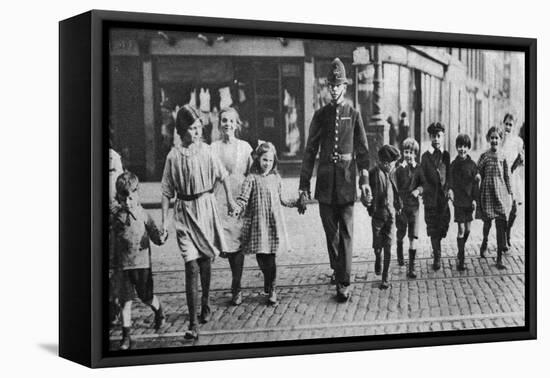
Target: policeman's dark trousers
[(266, 262), (236, 262), (338, 225), (193, 269)]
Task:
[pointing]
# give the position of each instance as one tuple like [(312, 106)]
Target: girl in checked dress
[(264, 232), (496, 191)]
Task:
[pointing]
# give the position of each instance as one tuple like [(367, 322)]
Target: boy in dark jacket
[(463, 189), (405, 174), (383, 208), (131, 230), (434, 179)]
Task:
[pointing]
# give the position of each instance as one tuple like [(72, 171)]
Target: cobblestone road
[(480, 297)]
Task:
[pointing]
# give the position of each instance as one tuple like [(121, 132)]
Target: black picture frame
[(83, 161)]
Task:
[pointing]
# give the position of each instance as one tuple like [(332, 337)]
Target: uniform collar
[(339, 105)]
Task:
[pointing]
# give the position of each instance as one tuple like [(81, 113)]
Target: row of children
[(191, 174), (485, 186), (192, 170)]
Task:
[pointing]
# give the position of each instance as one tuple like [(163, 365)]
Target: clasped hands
[(366, 195)]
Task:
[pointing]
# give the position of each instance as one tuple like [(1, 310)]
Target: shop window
[(267, 94)]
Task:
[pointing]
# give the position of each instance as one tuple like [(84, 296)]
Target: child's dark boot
[(501, 241), (460, 265), (126, 341), (159, 318), (387, 257), (377, 262), (192, 333), (400, 259), (412, 256), (206, 313)]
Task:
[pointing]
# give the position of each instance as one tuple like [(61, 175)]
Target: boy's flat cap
[(435, 128), (388, 153)]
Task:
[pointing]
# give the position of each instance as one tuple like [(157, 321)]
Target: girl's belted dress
[(190, 175)]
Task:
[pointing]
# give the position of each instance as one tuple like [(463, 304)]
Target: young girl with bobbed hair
[(264, 231), (190, 172), (495, 192)]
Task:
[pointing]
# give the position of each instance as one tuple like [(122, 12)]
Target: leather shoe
[(384, 285), (192, 333), (206, 314), (237, 299), (342, 293), (159, 318)]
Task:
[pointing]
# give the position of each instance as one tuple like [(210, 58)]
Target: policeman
[(337, 133)]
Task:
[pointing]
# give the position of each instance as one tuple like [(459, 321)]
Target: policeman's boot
[(387, 257), (400, 259), (412, 256), (436, 246), (377, 262)]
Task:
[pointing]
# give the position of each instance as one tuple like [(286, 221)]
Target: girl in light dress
[(235, 156)]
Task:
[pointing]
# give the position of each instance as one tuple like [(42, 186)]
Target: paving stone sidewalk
[(480, 297)]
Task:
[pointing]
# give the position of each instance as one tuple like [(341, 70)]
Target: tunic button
[(336, 139)]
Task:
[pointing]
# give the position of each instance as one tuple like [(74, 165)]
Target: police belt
[(191, 197), (335, 157)]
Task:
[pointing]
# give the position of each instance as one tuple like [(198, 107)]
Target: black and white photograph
[(275, 189), (269, 189)]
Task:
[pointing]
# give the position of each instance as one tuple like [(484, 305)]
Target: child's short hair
[(262, 148), (494, 129), (463, 140), (187, 115), (410, 144), (509, 116), (125, 183)]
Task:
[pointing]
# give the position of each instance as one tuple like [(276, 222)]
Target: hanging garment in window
[(242, 95), (292, 133), (292, 139), (193, 98), (225, 98), (204, 98), (214, 121)]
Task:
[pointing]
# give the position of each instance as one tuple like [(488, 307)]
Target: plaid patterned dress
[(264, 229), (495, 186)]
